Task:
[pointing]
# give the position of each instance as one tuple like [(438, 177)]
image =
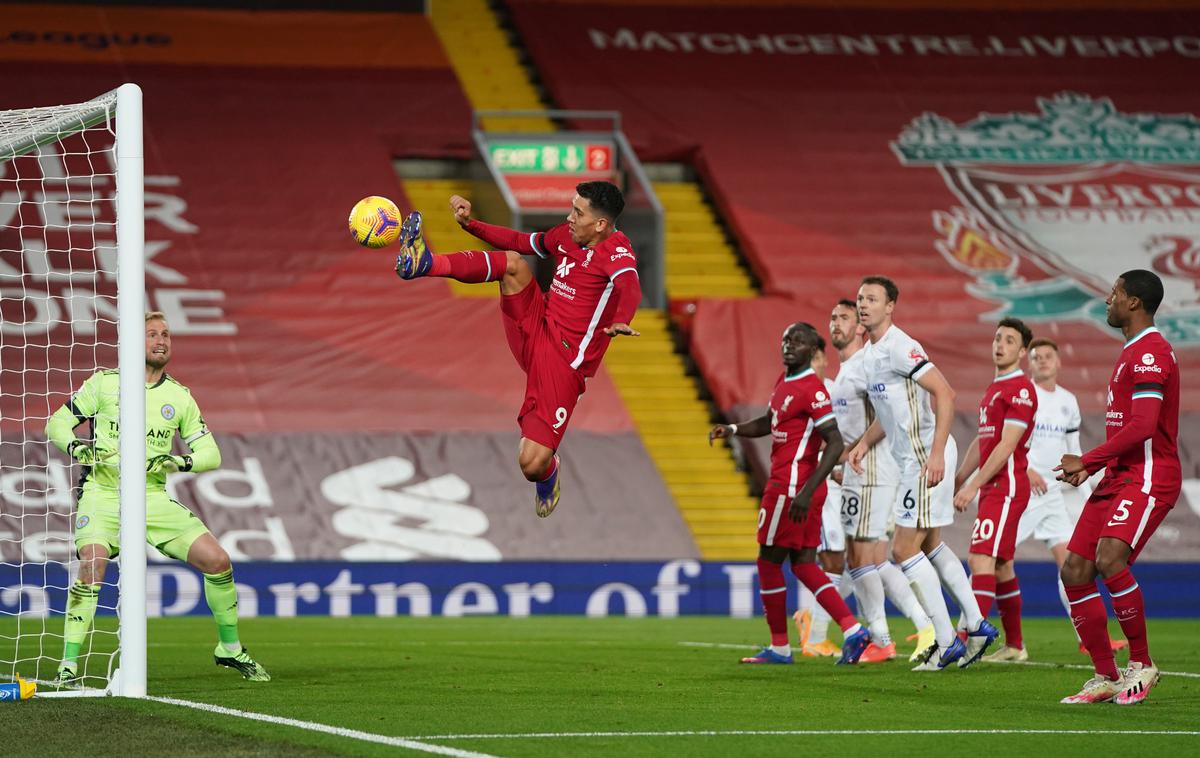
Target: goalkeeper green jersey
[(169, 408)]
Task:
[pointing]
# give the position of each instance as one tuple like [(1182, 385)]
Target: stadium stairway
[(487, 66), (711, 494), (700, 262)]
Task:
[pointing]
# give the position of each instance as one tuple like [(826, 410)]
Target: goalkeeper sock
[(471, 266), (81, 609), (221, 595)]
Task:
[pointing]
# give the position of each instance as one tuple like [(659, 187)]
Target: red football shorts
[(552, 387), (1128, 515), (995, 530), (776, 528)]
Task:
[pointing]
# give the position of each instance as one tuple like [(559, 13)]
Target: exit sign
[(551, 158)]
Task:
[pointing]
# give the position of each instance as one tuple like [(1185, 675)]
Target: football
[(374, 222)]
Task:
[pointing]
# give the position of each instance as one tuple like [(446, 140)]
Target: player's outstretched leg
[(415, 257), (470, 266)]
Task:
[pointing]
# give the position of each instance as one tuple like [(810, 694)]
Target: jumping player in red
[(789, 521), (558, 337), (1139, 488), (1005, 424)]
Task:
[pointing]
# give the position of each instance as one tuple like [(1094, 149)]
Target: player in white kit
[(865, 501), (915, 408)]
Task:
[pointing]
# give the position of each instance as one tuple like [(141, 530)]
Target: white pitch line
[(803, 733), (1044, 664), (722, 645), (1082, 667), (338, 731)]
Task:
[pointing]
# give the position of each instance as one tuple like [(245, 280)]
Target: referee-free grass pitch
[(556, 676)]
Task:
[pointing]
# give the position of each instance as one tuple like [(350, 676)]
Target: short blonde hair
[(156, 316)]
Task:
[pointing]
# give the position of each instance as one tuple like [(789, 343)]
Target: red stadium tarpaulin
[(991, 162), (361, 417), (251, 172)]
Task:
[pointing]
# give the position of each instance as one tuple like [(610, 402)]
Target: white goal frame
[(125, 105)]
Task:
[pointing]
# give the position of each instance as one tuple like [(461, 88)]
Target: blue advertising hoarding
[(666, 589)]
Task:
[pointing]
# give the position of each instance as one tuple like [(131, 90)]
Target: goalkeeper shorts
[(170, 526)]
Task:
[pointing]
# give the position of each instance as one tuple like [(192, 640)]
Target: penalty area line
[(1042, 664), (338, 731)]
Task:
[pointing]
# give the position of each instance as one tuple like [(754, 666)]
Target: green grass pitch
[(591, 687)]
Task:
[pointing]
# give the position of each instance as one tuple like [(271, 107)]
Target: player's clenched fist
[(461, 208), (720, 432)]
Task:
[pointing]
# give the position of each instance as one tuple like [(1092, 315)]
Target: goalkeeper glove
[(82, 451), (168, 464)]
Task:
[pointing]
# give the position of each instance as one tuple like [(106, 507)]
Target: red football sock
[(984, 587), (773, 590), (811, 575), (1091, 624), (1008, 600), (471, 266), (549, 472), (1131, 613)]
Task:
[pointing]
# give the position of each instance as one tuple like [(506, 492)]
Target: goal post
[(72, 302)]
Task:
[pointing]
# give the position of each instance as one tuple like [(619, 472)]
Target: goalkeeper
[(170, 526)]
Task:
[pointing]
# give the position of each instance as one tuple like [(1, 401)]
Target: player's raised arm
[(834, 444), (759, 427), (499, 237), (942, 396)]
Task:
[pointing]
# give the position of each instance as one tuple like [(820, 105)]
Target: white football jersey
[(893, 366), (1055, 432), (854, 414)]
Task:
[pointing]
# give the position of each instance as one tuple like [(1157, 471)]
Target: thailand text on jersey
[(170, 408), (1145, 382), (1054, 432), (894, 365), (855, 413), (1011, 399), (799, 404)]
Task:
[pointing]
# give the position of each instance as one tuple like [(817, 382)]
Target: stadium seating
[(794, 116), (329, 382)]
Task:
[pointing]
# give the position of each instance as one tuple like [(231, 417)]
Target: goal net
[(71, 303)]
